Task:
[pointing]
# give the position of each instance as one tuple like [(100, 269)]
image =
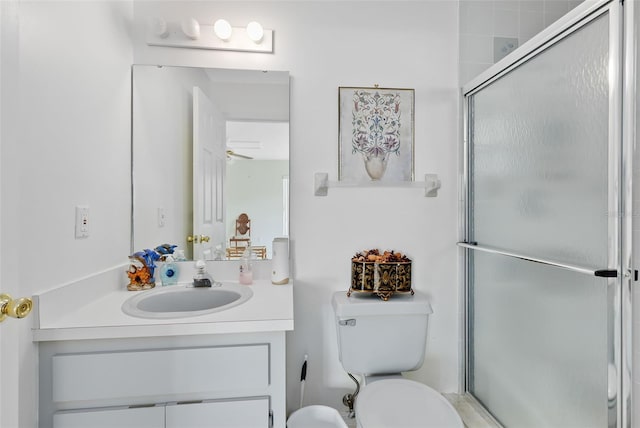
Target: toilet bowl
[(404, 403)]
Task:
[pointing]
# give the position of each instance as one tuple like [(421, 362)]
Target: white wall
[(325, 45), (65, 142)]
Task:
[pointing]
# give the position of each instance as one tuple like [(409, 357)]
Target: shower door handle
[(602, 273)]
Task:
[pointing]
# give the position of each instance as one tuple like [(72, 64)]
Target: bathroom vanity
[(102, 368)]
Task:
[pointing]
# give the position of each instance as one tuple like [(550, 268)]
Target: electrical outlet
[(82, 222), (503, 46)]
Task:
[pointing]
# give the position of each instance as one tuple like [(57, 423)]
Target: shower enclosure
[(545, 238)]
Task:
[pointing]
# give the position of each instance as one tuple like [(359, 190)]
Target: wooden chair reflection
[(242, 239), (236, 252), (242, 234)]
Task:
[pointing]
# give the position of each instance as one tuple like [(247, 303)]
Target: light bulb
[(255, 31), (191, 28), (223, 29)]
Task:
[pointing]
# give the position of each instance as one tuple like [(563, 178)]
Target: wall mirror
[(210, 160)]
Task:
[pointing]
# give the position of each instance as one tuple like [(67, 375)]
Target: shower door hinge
[(270, 418), (635, 275)]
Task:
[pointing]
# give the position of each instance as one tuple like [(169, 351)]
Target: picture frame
[(375, 134)]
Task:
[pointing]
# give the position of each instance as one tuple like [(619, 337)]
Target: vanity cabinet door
[(145, 417), (247, 413)]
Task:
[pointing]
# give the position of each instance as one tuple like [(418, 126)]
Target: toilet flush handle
[(351, 322)]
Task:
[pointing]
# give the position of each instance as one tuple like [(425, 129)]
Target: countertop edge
[(160, 330)]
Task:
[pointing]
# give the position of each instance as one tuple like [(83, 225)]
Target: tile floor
[(472, 415), (470, 412)]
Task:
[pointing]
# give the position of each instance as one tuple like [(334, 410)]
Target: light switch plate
[(162, 217)]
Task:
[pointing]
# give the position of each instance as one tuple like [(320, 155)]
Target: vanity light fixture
[(255, 31), (191, 28), (189, 33), (222, 29)]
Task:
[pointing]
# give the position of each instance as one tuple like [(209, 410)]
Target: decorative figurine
[(141, 270), (164, 250)]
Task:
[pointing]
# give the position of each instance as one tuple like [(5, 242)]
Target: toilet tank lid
[(363, 304)]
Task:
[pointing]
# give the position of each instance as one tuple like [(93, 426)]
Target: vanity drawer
[(148, 417), (117, 375), (243, 413)]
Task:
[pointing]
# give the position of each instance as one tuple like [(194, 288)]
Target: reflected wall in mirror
[(207, 146)]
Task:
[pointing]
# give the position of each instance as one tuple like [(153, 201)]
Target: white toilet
[(379, 340)]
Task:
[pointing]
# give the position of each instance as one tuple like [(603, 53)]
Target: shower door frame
[(622, 46)]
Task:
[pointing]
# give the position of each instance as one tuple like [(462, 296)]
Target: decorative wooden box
[(383, 278)]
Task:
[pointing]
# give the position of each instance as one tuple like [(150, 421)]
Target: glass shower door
[(542, 232)]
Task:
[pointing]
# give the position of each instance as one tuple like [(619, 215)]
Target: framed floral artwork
[(376, 132)]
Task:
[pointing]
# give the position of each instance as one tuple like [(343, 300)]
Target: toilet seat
[(403, 403)]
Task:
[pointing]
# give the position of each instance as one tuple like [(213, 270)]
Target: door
[(542, 231), (208, 177)]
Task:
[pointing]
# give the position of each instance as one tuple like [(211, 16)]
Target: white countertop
[(92, 309)]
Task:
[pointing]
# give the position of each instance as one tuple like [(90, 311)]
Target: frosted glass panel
[(539, 172), (538, 344), (539, 138)]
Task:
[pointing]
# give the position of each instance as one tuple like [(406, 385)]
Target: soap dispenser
[(169, 272), (202, 278), (246, 272)]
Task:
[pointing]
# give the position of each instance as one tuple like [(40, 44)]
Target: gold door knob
[(197, 239), (18, 308)]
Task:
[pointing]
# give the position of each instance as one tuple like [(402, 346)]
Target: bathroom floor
[(472, 415)]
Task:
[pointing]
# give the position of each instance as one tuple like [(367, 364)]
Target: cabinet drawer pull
[(141, 406)]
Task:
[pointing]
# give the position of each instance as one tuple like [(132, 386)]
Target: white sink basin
[(179, 301)]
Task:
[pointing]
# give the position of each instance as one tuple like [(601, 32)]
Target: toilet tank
[(378, 337)]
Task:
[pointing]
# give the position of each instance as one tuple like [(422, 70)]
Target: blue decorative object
[(142, 269), (165, 249), (169, 272)]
